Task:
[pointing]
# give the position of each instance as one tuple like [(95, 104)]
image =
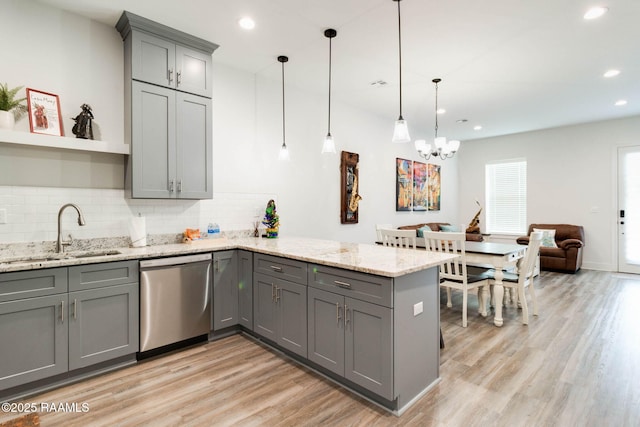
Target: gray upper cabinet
[(168, 111)]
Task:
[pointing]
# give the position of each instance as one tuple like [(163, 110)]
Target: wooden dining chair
[(398, 238), (523, 278), (454, 275)]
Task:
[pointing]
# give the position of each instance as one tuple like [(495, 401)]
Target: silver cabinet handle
[(179, 185), (75, 309), (346, 313), (338, 317), (276, 268), (342, 284), (170, 70), (170, 186), (278, 294), (216, 266), (273, 292), (62, 311), (179, 75)]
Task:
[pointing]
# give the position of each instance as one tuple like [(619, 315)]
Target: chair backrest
[(528, 264), (398, 238), (452, 243), (382, 227)]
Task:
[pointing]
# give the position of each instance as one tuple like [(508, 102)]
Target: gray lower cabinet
[(225, 289), (90, 316), (352, 338), (34, 339), (280, 312), (245, 289), (171, 144)]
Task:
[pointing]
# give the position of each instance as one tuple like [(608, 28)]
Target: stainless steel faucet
[(60, 244)]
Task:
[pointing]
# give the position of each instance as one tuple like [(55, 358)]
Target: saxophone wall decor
[(349, 187)]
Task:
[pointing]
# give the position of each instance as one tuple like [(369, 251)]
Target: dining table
[(499, 256)]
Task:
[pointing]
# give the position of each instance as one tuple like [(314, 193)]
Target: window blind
[(506, 197)]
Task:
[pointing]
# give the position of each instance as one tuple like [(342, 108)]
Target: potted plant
[(11, 108)]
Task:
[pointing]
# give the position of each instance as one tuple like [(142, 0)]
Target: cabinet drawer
[(32, 283), (283, 268), (365, 287), (99, 275)]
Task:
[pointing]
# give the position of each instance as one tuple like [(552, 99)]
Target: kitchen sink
[(90, 254)]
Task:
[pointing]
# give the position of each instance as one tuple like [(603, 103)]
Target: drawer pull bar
[(276, 268), (62, 311), (342, 284)]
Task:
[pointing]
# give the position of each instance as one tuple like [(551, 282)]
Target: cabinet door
[(193, 71), (369, 346), (291, 299), (194, 157), (103, 324), (326, 329), (264, 306), (245, 289), (225, 289), (153, 59), (34, 339), (153, 142)]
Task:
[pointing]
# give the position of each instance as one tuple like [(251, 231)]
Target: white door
[(629, 209)]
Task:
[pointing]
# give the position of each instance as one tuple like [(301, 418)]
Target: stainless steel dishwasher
[(175, 299)]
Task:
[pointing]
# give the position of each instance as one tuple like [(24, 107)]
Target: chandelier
[(441, 147)]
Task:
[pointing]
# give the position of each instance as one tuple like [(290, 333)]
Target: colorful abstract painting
[(404, 184), (420, 187), (433, 186)]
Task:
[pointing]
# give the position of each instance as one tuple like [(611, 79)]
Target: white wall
[(571, 178), (82, 61)]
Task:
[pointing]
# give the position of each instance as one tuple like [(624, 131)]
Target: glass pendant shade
[(454, 145), (328, 146), (400, 131), (422, 146), (284, 153), (440, 142)]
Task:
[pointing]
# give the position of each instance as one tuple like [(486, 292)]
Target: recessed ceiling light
[(378, 83), (611, 73), (441, 111), (621, 102), (477, 127), (247, 23), (595, 12), (462, 121)]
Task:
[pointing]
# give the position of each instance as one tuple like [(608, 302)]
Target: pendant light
[(400, 130), (284, 152), (329, 146), (441, 148)]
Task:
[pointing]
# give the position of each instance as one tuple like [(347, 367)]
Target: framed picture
[(433, 178), (404, 184), (349, 197), (44, 113), (420, 187)]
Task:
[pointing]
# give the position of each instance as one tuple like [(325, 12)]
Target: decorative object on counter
[(213, 230), (44, 113), (256, 232), (138, 231), (400, 129), (11, 108), (433, 176), (271, 219), (420, 186), (404, 184), (191, 234), (349, 197), (83, 127), (441, 148), (329, 145), (284, 151), (474, 225)]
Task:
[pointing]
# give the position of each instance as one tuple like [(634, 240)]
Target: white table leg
[(483, 295), (498, 294)]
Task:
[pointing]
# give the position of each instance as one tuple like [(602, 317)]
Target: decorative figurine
[(271, 220), (83, 127)]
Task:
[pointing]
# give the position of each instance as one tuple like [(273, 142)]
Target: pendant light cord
[(436, 109), (283, 133), (400, 55), (329, 115)]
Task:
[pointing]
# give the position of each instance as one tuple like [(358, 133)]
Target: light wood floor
[(577, 364)]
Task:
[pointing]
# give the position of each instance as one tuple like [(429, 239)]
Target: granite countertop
[(366, 258)]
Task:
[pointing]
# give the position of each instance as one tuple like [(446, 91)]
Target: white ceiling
[(508, 65)]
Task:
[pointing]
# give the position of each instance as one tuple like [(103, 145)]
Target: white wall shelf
[(61, 142)]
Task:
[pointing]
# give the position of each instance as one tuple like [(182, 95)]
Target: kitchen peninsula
[(368, 315)]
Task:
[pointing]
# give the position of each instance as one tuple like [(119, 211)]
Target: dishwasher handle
[(163, 262)]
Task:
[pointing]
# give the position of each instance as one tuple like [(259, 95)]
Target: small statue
[(83, 127), (474, 225), (271, 219)]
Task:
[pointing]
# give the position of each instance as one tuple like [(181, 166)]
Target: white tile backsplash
[(32, 213)]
